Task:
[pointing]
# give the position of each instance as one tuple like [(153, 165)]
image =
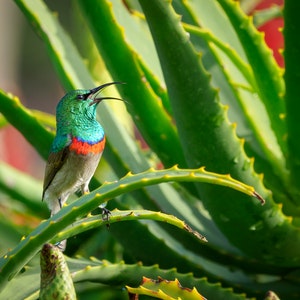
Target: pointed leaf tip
[(195, 233), (259, 197)]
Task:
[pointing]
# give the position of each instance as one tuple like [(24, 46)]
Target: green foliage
[(163, 289), (203, 94)]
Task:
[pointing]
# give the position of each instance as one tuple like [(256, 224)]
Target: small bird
[(76, 149)]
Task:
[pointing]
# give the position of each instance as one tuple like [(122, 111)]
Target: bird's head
[(81, 104)]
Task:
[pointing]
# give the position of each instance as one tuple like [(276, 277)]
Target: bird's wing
[(54, 164)]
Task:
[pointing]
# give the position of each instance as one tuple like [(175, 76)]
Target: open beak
[(97, 100)]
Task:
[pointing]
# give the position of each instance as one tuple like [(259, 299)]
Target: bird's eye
[(80, 97)]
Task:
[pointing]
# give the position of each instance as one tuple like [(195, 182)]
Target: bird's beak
[(98, 89)]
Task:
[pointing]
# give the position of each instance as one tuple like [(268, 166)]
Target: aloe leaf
[(260, 141), (200, 118), (207, 35), (118, 272), (25, 121), (262, 16), (230, 70), (23, 188), (10, 232), (257, 136), (118, 216), (156, 86), (185, 207), (3, 121), (46, 119), (165, 289), (173, 253), (176, 248), (292, 77), (136, 33), (10, 263), (117, 275), (264, 66), (59, 45)]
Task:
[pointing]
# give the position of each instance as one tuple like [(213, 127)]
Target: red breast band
[(85, 148)]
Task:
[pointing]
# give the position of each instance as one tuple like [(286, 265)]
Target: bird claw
[(105, 216)]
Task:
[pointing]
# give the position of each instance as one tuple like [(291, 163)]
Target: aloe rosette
[(216, 112)]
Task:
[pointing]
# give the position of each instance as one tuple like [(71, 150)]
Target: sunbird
[(77, 147)]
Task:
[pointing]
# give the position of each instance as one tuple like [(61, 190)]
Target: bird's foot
[(105, 216)]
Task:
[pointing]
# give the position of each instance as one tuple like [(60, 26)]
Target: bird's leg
[(59, 203), (85, 189), (62, 244), (105, 214)]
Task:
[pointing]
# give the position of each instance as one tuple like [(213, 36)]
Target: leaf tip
[(195, 233), (259, 197)]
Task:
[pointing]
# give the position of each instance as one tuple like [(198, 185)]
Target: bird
[(76, 149)]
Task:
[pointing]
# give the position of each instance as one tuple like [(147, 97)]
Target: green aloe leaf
[(118, 216), (165, 289), (235, 79), (292, 77), (118, 275), (14, 260), (264, 66), (26, 122), (234, 76), (195, 105), (23, 188)]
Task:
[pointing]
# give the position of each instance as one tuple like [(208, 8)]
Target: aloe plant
[(219, 115)]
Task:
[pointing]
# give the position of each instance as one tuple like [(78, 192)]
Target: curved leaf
[(15, 259)]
